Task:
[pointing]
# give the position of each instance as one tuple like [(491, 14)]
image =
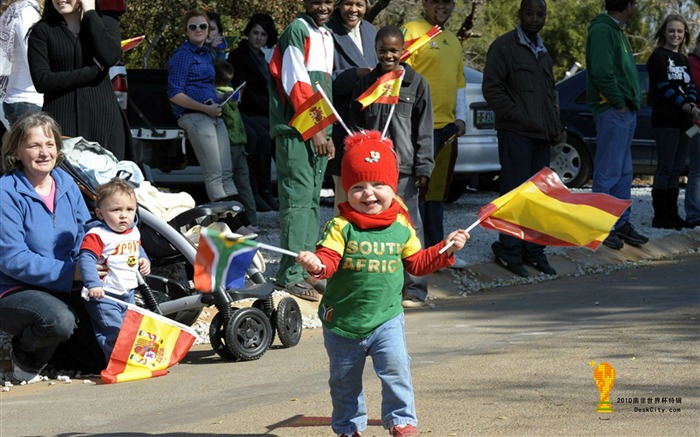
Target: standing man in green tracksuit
[(302, 57)]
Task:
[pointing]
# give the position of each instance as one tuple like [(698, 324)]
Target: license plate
[(484, 119)]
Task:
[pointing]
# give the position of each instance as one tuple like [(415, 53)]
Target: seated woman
[(39, 295), (250, 66)]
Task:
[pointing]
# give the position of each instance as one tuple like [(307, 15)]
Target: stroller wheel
[(267, 306), (248, 334), (217, 338), (288, 322)]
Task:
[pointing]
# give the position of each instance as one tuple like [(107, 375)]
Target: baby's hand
[(144, 266), (458, 238), (310, 262), (96, 292)]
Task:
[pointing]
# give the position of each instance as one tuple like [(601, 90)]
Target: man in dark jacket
[(519, 87)]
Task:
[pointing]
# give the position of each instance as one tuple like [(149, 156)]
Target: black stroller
[(235, 333)]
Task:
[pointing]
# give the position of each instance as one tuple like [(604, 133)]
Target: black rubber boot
[(659, 200), (672, 208)]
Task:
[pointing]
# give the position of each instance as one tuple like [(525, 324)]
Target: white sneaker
[(459, 264), (412, 302), (25, 376)]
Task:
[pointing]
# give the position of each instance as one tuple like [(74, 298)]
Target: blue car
[(572, 159)]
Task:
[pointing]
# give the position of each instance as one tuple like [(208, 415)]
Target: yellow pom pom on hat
[(368, 157)]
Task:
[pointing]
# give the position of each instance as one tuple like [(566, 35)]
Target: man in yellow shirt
[(440, 62)]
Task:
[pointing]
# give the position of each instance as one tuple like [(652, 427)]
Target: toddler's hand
[(144, 266), (97, 293), (310, 262), (458, 238)]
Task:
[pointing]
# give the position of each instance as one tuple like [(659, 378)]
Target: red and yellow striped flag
[(130, 43), (543, 211), (148, 344), (385, 90), (412, 45), (313, 116)]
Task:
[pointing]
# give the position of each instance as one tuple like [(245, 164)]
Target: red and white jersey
[(119, 252)]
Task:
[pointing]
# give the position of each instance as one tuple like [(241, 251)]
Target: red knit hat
[(369, 158)]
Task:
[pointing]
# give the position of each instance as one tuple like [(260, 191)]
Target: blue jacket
[(39, 248)]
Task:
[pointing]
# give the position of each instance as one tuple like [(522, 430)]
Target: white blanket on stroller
[(164, 205)]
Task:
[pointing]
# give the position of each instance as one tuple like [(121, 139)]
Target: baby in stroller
[(169, 225)]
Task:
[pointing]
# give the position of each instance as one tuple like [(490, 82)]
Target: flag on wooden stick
[(221, 261), (543, 211), (385, 90), (412, 45), (147, 346)]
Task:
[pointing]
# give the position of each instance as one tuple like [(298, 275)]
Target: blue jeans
[(209, 139), (671, 153), (387, 347), (692, 190), (38, 321), (406, 189), (432, 212), (107, 318), (612, 166), (14, 111)]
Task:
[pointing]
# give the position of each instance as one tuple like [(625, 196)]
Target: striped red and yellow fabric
[(313, 116), (128, 44), (147, 346), (412, 45), (385, 90), (543, 211)]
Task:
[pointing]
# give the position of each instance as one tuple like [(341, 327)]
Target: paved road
[(512, 361)]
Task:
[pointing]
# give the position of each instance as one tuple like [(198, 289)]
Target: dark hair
[(267, 23), (660, 36), (189, 14), (216, 18), (617, 5), (18, 134), (114, 186), (389, 31), (223, 72), (522, 3)]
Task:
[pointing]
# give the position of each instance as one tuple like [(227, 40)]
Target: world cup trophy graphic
[(604, 375)]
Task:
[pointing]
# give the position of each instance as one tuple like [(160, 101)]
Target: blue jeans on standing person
[(612, 163), (432, 212), (387, 347), (406, 189), (209, 139), (38, 322), (692, 189), (13, 111), (671, 154), (107, 318)]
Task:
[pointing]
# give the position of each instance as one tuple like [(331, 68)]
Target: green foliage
[(564, 33)]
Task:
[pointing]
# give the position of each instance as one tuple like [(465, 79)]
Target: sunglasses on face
[(201, 26)]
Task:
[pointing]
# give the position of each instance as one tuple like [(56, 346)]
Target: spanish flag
[(385, 90), (313, 116), (412, 45), (148, 344), (543, 211), (130, 43)]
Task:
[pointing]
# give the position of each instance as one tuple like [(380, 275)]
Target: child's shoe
[(403, 430)]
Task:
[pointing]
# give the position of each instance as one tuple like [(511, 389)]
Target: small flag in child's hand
[(221, 261), (415, 44), (385, 90), (147, 345), (313, 116), (130, 43), (543, 211)]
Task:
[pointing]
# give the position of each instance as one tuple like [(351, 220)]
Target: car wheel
[(572, 162)]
